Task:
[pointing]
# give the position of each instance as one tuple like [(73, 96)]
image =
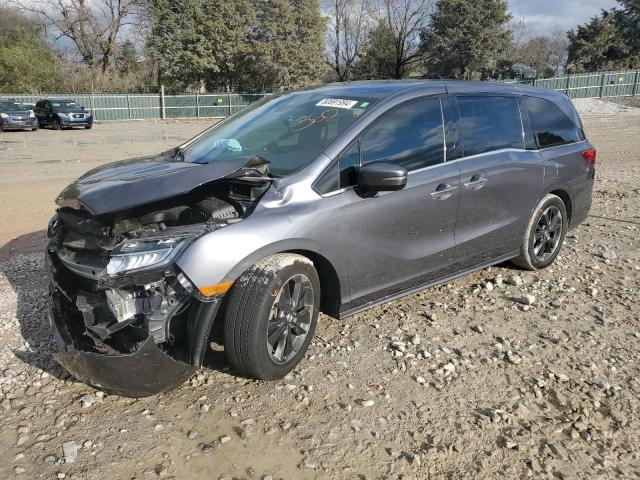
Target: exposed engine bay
[(113, 284)]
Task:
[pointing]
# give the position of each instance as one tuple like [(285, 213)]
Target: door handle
[(444, 191), (476, 182)]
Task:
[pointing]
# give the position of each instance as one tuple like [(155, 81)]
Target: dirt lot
[(458, 381)]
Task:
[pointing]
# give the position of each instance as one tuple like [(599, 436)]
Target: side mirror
[(382, 177), (82, 107)]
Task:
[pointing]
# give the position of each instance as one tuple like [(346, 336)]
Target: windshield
[(287, 131), (65, 105), (10, 105)]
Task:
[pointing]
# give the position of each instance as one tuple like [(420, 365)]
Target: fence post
[(93, 102), (229, 102), (568, 85), (635, 83), (197, 105), (128, 106), (162, 109), (602, 77)]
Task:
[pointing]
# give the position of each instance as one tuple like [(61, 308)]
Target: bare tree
[(350, 22), (406, 19), (558, 46), (94, 26), (547, 54)]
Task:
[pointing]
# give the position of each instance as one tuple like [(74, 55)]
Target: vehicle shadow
[(22, 267)]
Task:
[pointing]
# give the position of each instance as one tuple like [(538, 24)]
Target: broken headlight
[(133, 255)]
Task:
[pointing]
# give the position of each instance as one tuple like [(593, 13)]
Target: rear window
[(552, 126), (489, 123)]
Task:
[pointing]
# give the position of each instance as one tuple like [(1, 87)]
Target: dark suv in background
[(15, 116), (62, 113)]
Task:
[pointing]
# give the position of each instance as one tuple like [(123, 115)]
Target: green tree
[(466, 39), (232, 44), (378, 59), (198, 43), (287, 45), (597, 45), (629, 21), (26, 64), (127, 59), (607, 42)]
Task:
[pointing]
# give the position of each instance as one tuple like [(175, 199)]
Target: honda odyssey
[(334, 200)]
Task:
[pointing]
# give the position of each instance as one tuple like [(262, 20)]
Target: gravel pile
[(599, 106)]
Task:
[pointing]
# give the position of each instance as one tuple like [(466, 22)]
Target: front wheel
[(56, 125), (544, 235), (271, 315)]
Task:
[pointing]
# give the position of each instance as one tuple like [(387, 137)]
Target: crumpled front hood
[(130, 183)]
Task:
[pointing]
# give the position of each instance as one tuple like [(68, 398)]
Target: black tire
[(540, 246), (56, 125), (88, 127), (250, 306)]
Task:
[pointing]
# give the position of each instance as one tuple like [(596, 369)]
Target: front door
[(402, 239)]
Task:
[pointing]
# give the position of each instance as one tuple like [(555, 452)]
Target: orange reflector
[(215, 289)]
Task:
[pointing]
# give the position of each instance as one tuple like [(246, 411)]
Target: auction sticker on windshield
[(337, 103)]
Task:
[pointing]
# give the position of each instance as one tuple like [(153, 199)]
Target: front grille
[(78, 115)]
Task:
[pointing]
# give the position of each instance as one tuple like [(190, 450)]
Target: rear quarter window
[(489, 123), (551, 124)]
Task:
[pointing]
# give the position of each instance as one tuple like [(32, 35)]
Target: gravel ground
[(460, 381), (596, 105)]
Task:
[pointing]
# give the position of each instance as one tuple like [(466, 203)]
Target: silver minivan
[(333, 200)]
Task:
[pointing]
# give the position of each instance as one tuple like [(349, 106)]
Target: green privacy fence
[(589, 85), (145, 106), (221, 105)]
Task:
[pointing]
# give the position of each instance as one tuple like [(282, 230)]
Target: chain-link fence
[(145, 106), (590, 85)]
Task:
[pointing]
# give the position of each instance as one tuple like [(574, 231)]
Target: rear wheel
[(544, 235), (271, 315)]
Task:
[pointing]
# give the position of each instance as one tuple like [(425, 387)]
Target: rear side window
[(489, 123), (553, 127), (410, 135)]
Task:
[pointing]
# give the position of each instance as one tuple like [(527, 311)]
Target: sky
[(548, 16)]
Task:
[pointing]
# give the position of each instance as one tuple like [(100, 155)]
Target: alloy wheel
[(548, 233), (290, 318)]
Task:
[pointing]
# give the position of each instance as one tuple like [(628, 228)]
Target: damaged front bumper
[(128, 346), (147, 371)]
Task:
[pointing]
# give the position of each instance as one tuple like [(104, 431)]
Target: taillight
[(590, 156)]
